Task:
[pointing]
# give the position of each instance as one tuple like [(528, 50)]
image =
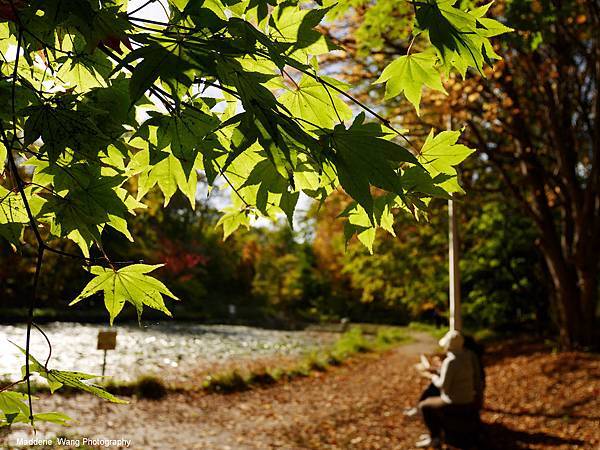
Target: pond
[(151, 348)]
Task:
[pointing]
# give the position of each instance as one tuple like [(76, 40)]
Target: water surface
[(152, 348)]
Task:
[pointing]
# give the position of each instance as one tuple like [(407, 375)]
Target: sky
[(157, 10)]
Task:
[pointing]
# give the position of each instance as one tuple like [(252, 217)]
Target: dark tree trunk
[(576, 297)]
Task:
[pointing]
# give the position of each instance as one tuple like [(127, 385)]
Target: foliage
[(15, 409), (56, 379), (436, 332), (409, 74), (278, 265), (502, 277), (402, 282), (502, 273), (409, 271), (106, 105), (533, 121)]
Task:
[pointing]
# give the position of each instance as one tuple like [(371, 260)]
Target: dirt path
[(278, 417), (358, 405)]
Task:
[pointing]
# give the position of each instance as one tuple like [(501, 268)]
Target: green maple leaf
[(440, 154), (258, 184), (312, 101), (461, 38), (365, 226), (128, 284), (182, 132), (364, 159), (85, 198), (170, 174), (420, 181), (13, 408), (81, 70), (58, 378), (169, 63), (409, 74), (232, 220), (61, 128), (12, 215), (268, 188), (296, 27), (180, 139)]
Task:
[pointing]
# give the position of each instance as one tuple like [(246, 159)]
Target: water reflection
[(150, 348)]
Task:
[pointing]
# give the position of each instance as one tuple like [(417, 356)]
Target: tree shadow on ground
[(567, 411), (497, 436), (497, 353)]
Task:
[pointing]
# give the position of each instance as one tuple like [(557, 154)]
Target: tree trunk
[(576, 297)]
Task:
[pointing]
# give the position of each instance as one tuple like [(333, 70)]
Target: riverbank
[(536, 398), (170, 349), (245, 373)]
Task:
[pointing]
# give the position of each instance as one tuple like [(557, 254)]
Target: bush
[(262, 377), (150, 387), (226, 382), (353, 341), (317, 362), (146, 386)]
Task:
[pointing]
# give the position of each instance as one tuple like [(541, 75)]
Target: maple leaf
[(128, 284), (409, 74), (440, 154)]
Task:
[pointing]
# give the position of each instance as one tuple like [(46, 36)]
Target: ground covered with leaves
[(536, 399)]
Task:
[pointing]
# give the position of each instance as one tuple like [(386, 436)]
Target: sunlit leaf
[(128, 284)]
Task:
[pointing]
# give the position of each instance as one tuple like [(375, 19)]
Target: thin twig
[(14, 383), (139, 8), (36, 279), (49, 345)]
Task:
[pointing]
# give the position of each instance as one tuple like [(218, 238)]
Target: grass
[(349, 344), (437, 333), (231, 381)]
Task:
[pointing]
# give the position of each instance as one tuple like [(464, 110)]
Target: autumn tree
[(533, 118)]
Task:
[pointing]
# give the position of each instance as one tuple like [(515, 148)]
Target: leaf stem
[(14, 383), (49, 345)]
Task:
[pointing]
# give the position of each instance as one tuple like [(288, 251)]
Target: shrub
[(261, 377), (226, 382), (150, 387), (315, 361)]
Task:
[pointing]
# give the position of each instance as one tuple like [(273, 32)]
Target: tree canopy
[(534, 122), (104, 104)]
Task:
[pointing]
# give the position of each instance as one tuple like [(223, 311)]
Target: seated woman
[(458, 388)]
